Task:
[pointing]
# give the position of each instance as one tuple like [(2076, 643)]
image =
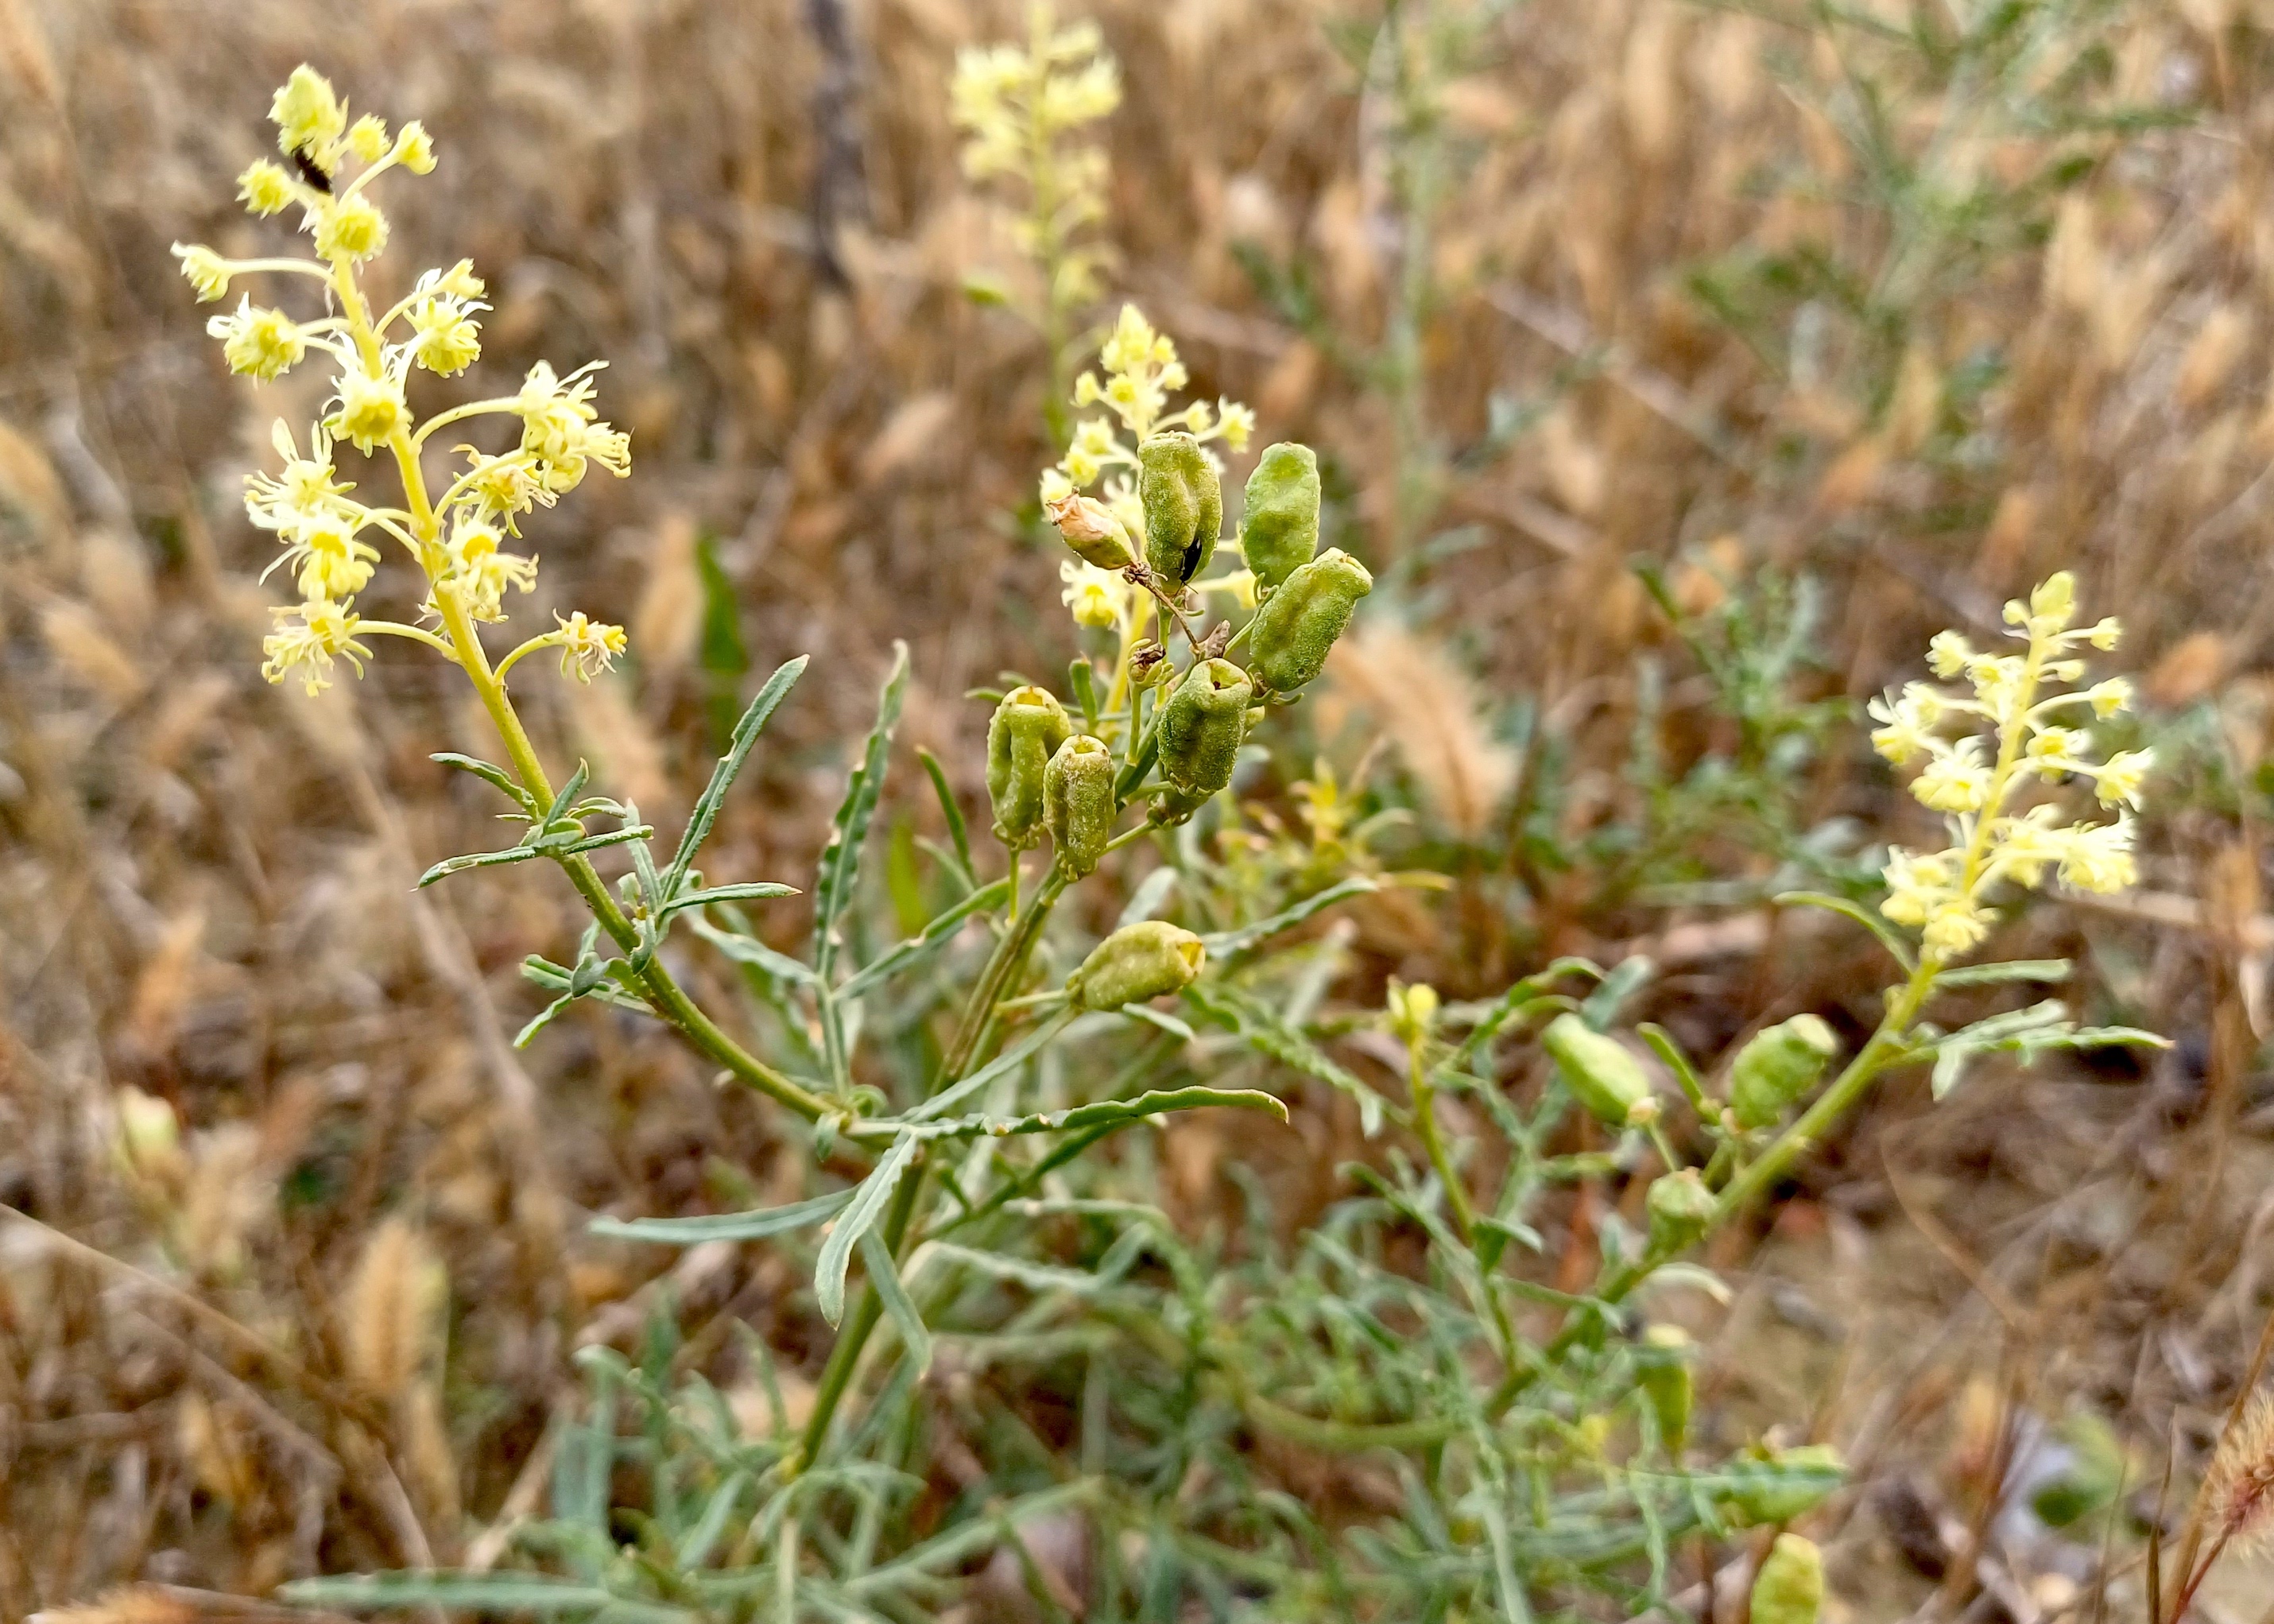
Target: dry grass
[(205, 883)]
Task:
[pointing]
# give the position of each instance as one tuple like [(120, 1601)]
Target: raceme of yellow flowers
[(331, 541)]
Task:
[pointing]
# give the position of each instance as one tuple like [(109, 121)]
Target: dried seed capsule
[(1680, 1208), (1663, 1369), (1299, 623), (1078, 802), (1137, 962), (1790, 1588), (1184, 508), (1027, 727), (1600, 1072), (1201, 723), (1781, 1063), (1279, 526), (1091, 530)]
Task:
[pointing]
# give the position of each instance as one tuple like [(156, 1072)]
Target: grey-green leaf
[(841, 859), (752, 1226), (877, 1259), (861, 1216), (722, 776)]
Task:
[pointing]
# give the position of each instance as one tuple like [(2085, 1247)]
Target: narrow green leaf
[(752, 1226), (943, 926), (751, 891), (1081, 678), (1261, 1028), (557, 978), (490, 773), (1167, 1024), (1514, 1002), (841, 859), (449, 866), (747, 949), (1018, 1271), (949, 809), (1225, 944), (703, 1538), (514, 1593), (2011, 969), (1010, 1060), (1152, 894), (542, 1019), (1897, 949), (877, 1259), (722, 776), (1104, 1113), (569, 791), (861, 1216)]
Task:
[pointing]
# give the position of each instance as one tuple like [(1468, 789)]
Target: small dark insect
[(310, 173)]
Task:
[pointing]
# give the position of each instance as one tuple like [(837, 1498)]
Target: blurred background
[(1678, 369)]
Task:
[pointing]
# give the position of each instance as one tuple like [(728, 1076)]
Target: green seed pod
[(1027, 727), (1078, 802), (1790, 1588), (1279, 526), (1299, 623), (1202, 722), (1172, 807), (1680, 1208), (1137, 962), (1600, 1073), (1790, 1482), (1184, 508), (1662, 1371), (1781, 1063)]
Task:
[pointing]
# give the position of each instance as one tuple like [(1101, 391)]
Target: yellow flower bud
[(1136, 964), (351, 228), (265, 187), (308, 116)]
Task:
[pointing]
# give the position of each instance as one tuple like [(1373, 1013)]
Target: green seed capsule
[(1078, 802), (1299, 623), (1184, 508), (1279, 526), (1027, 727), (1680, 1208), (1790, 1588), (1202, 722), (1137, 962), (1790, 1482), (1662, 1371), (1172, 807), (1600, 1073), (1781, 1063)]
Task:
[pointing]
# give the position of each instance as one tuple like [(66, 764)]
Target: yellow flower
[(1907, 723), (1947, 653), (308, 116), (1237, 423), (367, 138), (306, 489), (1098, 598), (261, 343), (588, 648), (371, 410), (2055, 751), (309, 637), (1954, 781), (2106, 634), (561, 430), (266, 188), (333, 564), (1239, 583), (480, 571), (2118, 780), (349, 228), (2109, 697), (1954, 928), (447, 339), (416, 148), (2099, 857), (208, 272)]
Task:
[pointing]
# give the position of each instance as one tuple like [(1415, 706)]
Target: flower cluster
[(1981, 750), (1141, 372), (1015, 105), (457, 540)]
